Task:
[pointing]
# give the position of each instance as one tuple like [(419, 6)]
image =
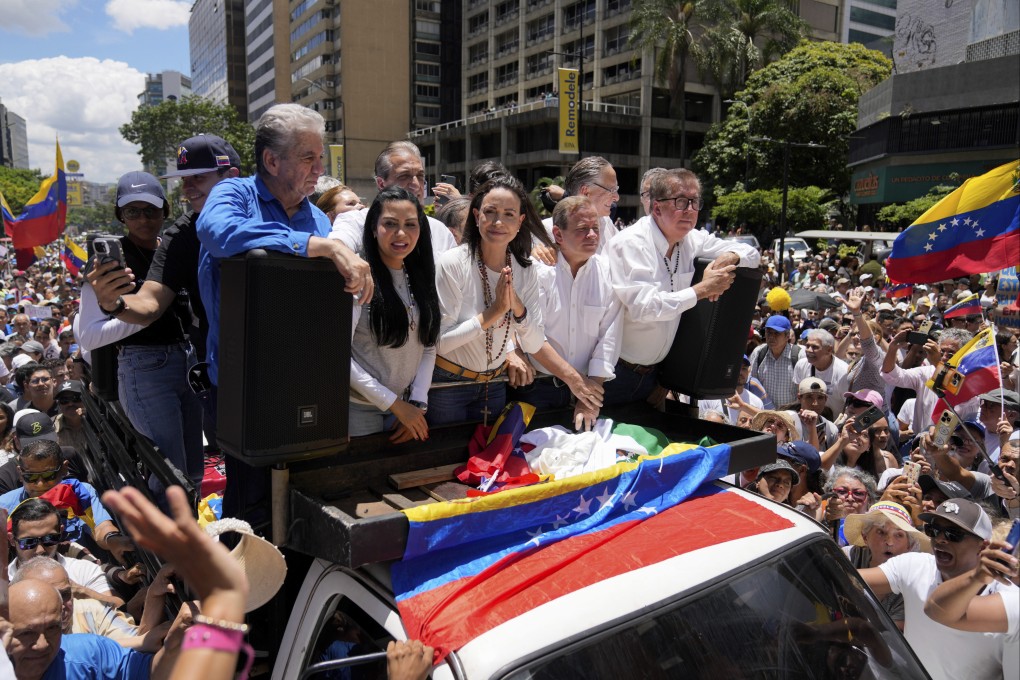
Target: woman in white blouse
[(488, 294), (394, 337)]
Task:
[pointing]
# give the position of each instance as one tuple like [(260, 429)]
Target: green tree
[(159, 129), (902, 215), (745, 35), (809, 95), (760, 210), (664, 28), (18, 186)]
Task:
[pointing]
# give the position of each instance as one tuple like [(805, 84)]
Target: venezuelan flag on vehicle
[(43, 218), (965, 307), (472, 565), (974, 230), (974, 370), (73, 256)]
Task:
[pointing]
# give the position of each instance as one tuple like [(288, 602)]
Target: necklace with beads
[(488, 297), (676, 265), (412, 308)]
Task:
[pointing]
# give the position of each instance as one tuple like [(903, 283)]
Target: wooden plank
[(406, 480), (447, 491), (374, 509)]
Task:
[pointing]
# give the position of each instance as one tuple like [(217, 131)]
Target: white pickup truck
[(766, 595)]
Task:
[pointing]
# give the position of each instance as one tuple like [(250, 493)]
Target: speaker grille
[(285, 338)]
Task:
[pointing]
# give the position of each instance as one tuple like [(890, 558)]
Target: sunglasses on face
[(44, 476), (952, 534), (149, 213), (857, 494), (49, 540), (40, 381), (69, 400)]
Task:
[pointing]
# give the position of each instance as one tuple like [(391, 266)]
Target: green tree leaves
[(159, 129)]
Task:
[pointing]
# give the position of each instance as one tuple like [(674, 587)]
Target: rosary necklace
[(488, 297), (676, 265), (412, 312)]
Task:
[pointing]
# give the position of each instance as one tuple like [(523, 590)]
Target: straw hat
[(759, 421), (854, 526), (263, 564)]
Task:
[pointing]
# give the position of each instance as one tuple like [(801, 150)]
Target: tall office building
[(159, 87), (13, 139), (869, 22), (216, 34), (267, 27)]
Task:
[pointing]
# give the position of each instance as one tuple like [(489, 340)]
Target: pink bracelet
[(204, 636)]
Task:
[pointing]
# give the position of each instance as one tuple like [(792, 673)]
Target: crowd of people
[(455, 316)]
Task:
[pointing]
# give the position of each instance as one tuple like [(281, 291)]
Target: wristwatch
[(419, 405), (117, 309)]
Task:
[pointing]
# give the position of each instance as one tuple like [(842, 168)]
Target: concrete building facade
[(266, 25), (950, 110), (511, 50), (159, 87), (13, 139), (216, 36)]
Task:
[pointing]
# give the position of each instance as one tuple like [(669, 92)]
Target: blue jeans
[(629, 385), (463, 404), (544, 392), (366, 419), (154, 393)]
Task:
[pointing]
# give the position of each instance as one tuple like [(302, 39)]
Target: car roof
[(573, 615)]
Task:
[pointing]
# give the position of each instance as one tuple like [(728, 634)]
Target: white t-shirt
[(946, 654), (834, 377), (80, 572)]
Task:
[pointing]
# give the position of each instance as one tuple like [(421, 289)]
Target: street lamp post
[(786, 186), (331, 93)]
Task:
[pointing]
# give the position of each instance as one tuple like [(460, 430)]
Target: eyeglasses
[(952, 534), (612, 190), (684, 203), (645, 194), (150, 213), (857, 494), (40, 381), (48, 540), (43, 476), (69, 400)]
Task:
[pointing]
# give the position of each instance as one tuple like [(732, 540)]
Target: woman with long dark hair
[(394, 344), (488, 294)]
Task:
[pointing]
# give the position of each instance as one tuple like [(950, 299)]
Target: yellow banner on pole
[(570, 100), (74, 195), (337, 163)]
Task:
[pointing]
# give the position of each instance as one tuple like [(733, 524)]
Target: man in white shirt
[(958, 529), (820, 362), (594, 178), (398, 165), (582, 318), (652, 264)]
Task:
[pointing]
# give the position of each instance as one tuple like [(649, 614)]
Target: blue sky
[(74, 68)]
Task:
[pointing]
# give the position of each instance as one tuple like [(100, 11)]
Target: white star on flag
[(560, 521), (979, 232), (955, 221), (928, 247), (628, 500), (966, 221), (583, 507), (606, 499), (942, 227), (647, 510), (932, 236), (974, 224)]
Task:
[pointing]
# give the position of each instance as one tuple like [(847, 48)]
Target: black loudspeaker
[(708, 349), (284, 358)]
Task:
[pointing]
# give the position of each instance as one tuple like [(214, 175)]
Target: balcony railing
[(596, 107)]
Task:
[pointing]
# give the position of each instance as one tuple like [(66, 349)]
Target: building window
[(506, 43), (478, 54), (421, 47), (616, 39), (578, 12), (541, 28), (478, 23), (427, 28), (426, 113), (427, 91), (433, 6), (506, 75), (478, 82)]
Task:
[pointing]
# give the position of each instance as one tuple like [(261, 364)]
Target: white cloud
[(35, 17), (128, 15), (83, 101)]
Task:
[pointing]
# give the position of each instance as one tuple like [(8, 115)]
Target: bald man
[(38, 643)]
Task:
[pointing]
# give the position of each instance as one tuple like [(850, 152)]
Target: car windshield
[(804, 614)]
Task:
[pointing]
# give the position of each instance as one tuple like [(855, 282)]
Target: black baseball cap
[(34, 426), (204, 153)]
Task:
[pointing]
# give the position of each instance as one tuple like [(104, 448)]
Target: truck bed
[(352, 499)]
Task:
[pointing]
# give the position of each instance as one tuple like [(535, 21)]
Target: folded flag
[(73, 256), (965, 307), (972, 371), (471, 566), (899, 290), (974, 230)]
